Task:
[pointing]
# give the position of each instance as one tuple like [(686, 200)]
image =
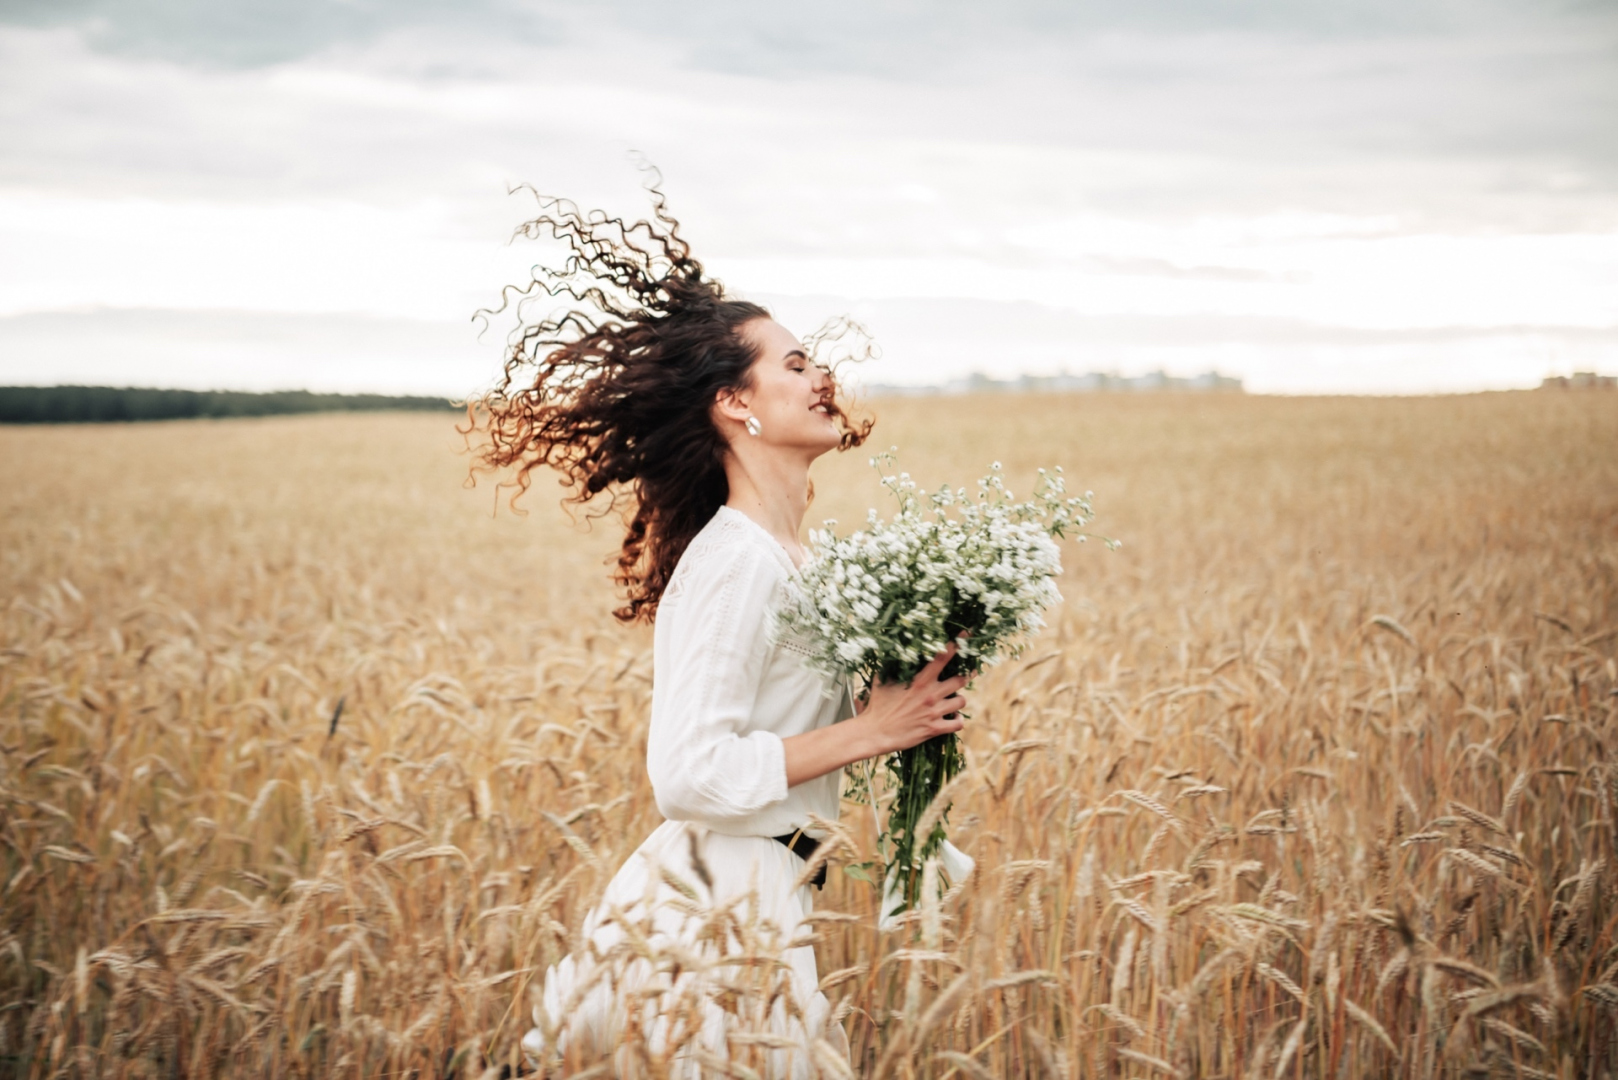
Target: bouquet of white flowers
[(881, 603)]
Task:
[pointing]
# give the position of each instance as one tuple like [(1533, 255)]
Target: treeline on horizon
[(102, 404)]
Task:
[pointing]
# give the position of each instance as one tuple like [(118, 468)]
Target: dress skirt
[(688, 958)]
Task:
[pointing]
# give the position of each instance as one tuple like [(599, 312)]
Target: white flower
[(850, 652), (879, 602)]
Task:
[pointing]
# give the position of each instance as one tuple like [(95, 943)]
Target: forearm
[(827, 749), (894, 717)]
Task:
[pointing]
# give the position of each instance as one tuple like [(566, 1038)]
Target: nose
[(823, 379)]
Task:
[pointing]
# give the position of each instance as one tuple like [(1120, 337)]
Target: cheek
[(780, 396)]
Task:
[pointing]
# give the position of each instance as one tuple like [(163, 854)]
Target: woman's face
[(790, 396)]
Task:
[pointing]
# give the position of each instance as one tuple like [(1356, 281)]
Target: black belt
[(803, 846)]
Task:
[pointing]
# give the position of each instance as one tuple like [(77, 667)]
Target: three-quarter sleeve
[(706, 760)]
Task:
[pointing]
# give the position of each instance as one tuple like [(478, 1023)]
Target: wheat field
[(313, 761)]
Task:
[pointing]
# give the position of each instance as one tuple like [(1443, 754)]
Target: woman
[(702, 414)]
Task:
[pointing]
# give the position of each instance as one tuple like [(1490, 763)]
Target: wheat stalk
[(165, 904)]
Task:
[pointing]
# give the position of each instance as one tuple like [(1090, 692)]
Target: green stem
[(921, 771)]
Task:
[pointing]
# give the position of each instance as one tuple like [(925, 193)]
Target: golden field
[(1315, 777)]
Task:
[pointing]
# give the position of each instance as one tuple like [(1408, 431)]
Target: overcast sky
[(1364, 197)]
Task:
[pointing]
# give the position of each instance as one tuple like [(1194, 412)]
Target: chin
[(814, 448), (818, 435), (829, 438)]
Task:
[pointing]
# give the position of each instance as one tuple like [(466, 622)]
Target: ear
[(733, 405)]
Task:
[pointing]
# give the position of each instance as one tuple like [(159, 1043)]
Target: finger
[(951, 705), (953, 683), (936, 664)]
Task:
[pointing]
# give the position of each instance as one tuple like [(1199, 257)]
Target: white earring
[(753, 426)]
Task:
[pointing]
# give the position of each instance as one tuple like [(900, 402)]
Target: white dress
[(725, 693)]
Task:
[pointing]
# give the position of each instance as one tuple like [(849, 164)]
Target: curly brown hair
[(615, 390)]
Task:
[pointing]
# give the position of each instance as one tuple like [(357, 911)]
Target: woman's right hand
[(901, 715)]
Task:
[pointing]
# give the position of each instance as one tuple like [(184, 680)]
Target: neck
[(772, 488)]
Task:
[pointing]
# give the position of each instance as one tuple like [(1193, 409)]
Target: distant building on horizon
[(978, 383), (1580, 380)]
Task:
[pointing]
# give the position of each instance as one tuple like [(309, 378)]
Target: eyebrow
[(796, 352)]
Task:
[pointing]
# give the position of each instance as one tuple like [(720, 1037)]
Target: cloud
[(246, 350), (933, 340), (1493, 113), (757, 37), (1392, 167), (256, 33), (1147, 267), (922, 341)]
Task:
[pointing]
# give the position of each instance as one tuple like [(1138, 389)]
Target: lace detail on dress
[(675, 587), (792, 643), (720, 535), (718, 541)]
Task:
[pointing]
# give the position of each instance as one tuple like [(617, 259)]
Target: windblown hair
[(615, 390)]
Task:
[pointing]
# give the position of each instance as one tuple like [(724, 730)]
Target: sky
[(1360, 197)]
